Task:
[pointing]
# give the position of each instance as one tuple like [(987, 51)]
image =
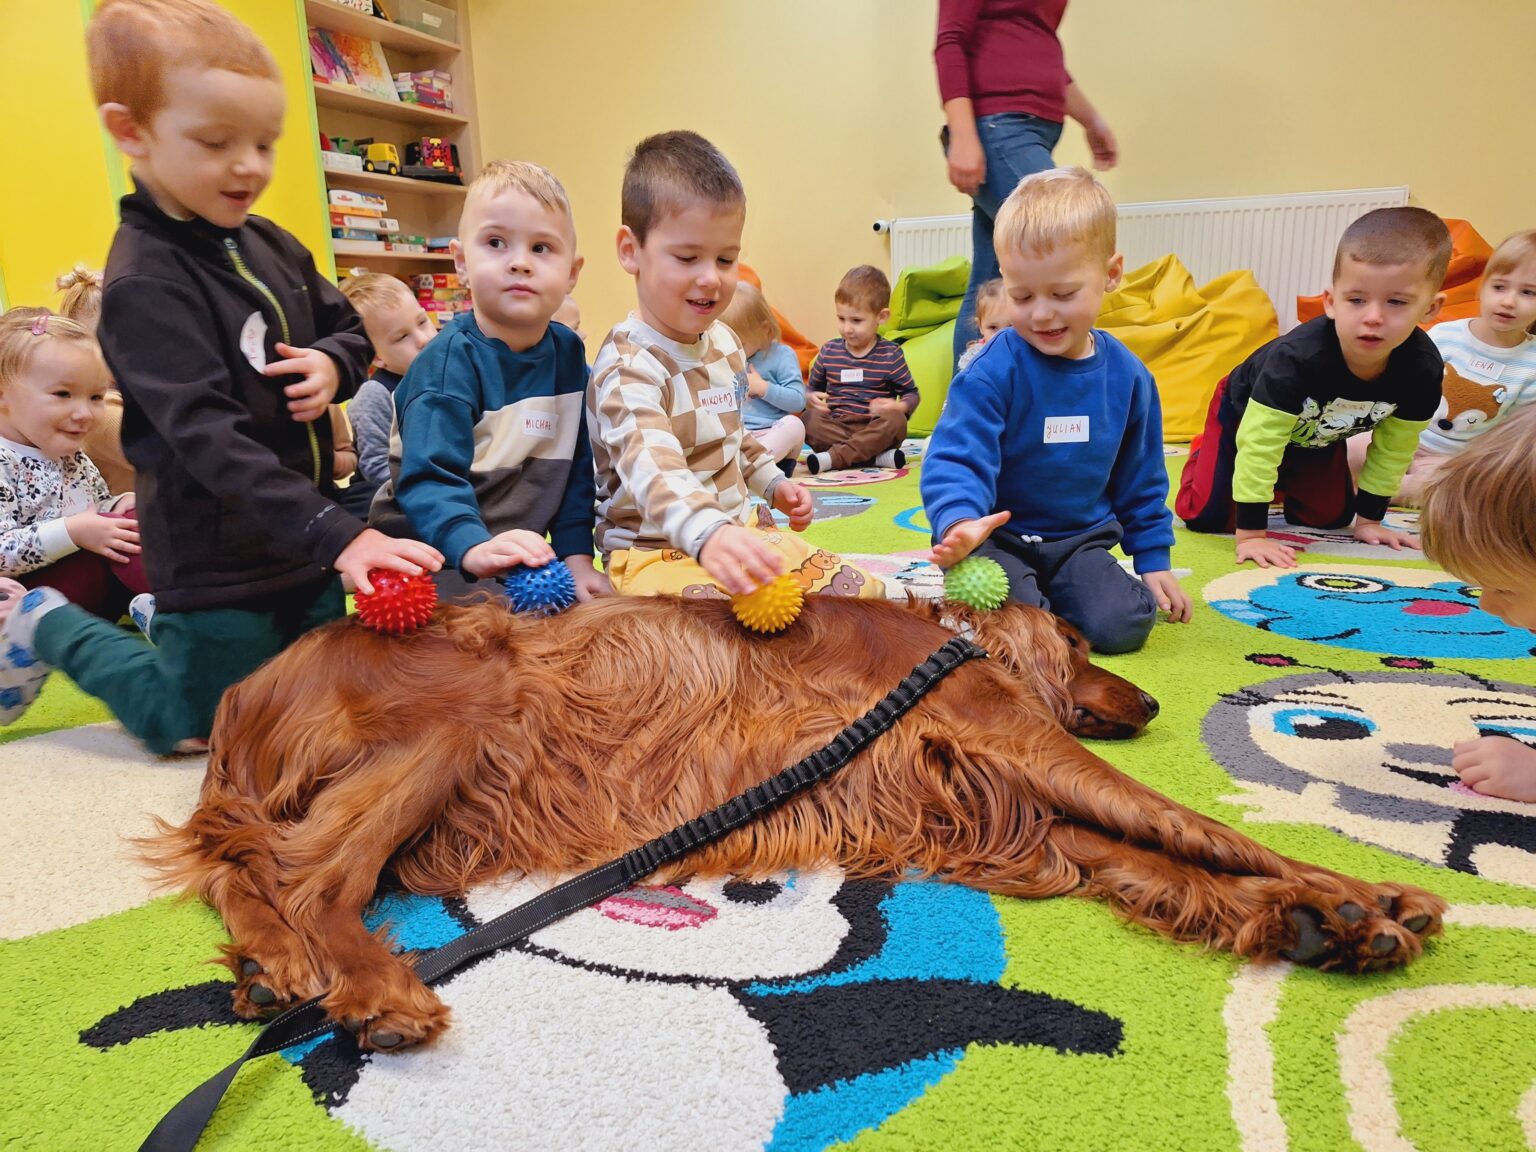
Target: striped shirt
[(673, 463), (1493, 383), (851, 382)]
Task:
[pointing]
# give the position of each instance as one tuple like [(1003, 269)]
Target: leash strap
[(180, 1128)]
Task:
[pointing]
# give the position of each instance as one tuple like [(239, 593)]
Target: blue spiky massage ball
[(540, 591)]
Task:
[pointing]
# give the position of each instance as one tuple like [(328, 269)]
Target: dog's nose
[(1151, 705)]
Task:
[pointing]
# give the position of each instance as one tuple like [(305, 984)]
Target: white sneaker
[(21, 672), (142, 609)]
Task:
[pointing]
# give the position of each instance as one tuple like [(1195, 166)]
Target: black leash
[(180, 1128)]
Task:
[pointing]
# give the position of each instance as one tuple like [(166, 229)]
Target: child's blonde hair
[(132, 44), (520, 176), (1055, 208), (989, 297), (671, 171), (749, 316), (864, 287), (1478, 516), (372, 290), (82, 295), (23, 330), (1398, 236)]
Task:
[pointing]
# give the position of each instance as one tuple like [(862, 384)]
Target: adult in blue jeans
[(1006, 93)]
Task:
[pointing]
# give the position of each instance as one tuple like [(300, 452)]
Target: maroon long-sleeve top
[(1004, 55)]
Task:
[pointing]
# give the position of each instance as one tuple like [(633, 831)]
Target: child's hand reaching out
[(508, 550), (308, 397), (115, 537), (794, 500), (964, 537), (1497, 766)]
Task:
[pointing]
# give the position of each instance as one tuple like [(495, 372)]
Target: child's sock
[(788, 467), (816, 461), (21, 672), (891, 458), (142, 609)]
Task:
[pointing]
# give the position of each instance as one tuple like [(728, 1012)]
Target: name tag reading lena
[(539, 425), (718, 399), (1487, 369), (1066, 429)]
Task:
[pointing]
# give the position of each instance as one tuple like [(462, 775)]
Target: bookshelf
[(422, 207)]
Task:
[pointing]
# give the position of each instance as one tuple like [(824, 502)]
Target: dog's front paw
[(1385, 930), (386, 1007), (270, 984)]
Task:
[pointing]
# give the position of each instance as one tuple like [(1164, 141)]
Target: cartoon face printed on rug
[(903, 572), (830, 505), (1396, 611), (1330, 542), (1369, 755), (847, 477), (795, 1011)]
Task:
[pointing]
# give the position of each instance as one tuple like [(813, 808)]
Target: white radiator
[(1286, 241)]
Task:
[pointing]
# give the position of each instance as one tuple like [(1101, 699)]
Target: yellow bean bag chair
[(1188, 337)]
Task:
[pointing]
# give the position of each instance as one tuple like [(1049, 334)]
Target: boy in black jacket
[(227, 346)]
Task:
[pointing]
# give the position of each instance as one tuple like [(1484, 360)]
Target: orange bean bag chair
[(805, 351), (1463, 279)]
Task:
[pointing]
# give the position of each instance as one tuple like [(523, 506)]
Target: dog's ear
[(1075, 639)]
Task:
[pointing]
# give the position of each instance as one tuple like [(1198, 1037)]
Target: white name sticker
[(1488, 369), (539, 425), (253, 341), (1066, 429), (851, 375), (718, 399)]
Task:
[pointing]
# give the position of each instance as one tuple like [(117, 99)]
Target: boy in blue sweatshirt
[(1055, 431), (489, 451)]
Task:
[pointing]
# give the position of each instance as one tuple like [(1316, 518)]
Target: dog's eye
[(752, 891)]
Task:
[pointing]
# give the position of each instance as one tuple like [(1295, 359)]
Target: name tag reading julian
[(539, 425), (718, 399), (1066, 429)]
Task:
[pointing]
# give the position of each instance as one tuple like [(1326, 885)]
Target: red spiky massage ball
[(400, 603)]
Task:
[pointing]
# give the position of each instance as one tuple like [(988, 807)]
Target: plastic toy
[(773, 607), (382, 158), (978, 582), (540, 591), (400, 603)]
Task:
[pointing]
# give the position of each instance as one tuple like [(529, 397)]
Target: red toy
[(399, 603)]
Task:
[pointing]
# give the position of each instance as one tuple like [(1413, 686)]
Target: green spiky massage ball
[(977, 582)]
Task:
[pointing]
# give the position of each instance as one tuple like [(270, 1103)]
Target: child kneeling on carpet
[(675, 469), (1280, 422), (861, 391), (59, 524), (1058, 432), (227, 345), (1479, 524), (491, 451), (772, 391)]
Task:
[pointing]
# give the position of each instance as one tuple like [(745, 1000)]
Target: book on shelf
[(362, 60), (325, 62)]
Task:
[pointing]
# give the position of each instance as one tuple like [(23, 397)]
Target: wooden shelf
[(384, 184), (362, 249), (351, 100), (335, 18)]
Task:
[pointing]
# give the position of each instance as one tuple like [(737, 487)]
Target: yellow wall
[(830, 110), (57, 199)]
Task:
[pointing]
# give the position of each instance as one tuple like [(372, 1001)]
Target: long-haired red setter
[(489, 743)]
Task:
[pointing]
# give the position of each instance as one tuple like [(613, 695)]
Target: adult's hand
[(967, 162)]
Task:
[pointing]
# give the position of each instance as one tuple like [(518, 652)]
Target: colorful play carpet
[(1312, 708)]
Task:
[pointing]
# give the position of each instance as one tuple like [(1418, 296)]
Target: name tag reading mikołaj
[(1066, 429), (718, 399), (851, 376), (1488, 369)]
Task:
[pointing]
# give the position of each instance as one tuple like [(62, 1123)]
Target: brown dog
[(489, 743)]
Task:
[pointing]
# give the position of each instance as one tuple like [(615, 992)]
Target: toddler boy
[(1058, 432), (1279, 423), (490, 449), (227, 345), (860, 392), (675, 469)]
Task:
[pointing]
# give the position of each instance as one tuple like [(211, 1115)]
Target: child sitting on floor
[(771, 391), (398, 328), (861, 391), (1278, 424), (104, 443), (1057, 431), (675, 469), (1490, 363), (991, 318), (59, 525), (490, 451), (1479, 524)]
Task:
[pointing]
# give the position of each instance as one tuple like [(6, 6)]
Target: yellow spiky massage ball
[(773, 607)]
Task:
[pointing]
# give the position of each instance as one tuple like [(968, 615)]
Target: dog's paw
[(269, 985), (386, 1007), (1385, 929)]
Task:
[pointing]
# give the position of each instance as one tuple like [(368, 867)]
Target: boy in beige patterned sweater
[(674, 467)]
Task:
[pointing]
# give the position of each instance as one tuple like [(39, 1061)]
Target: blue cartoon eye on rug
[(827, 506), (790, 1013), (1394, 611), (1369, 755)]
